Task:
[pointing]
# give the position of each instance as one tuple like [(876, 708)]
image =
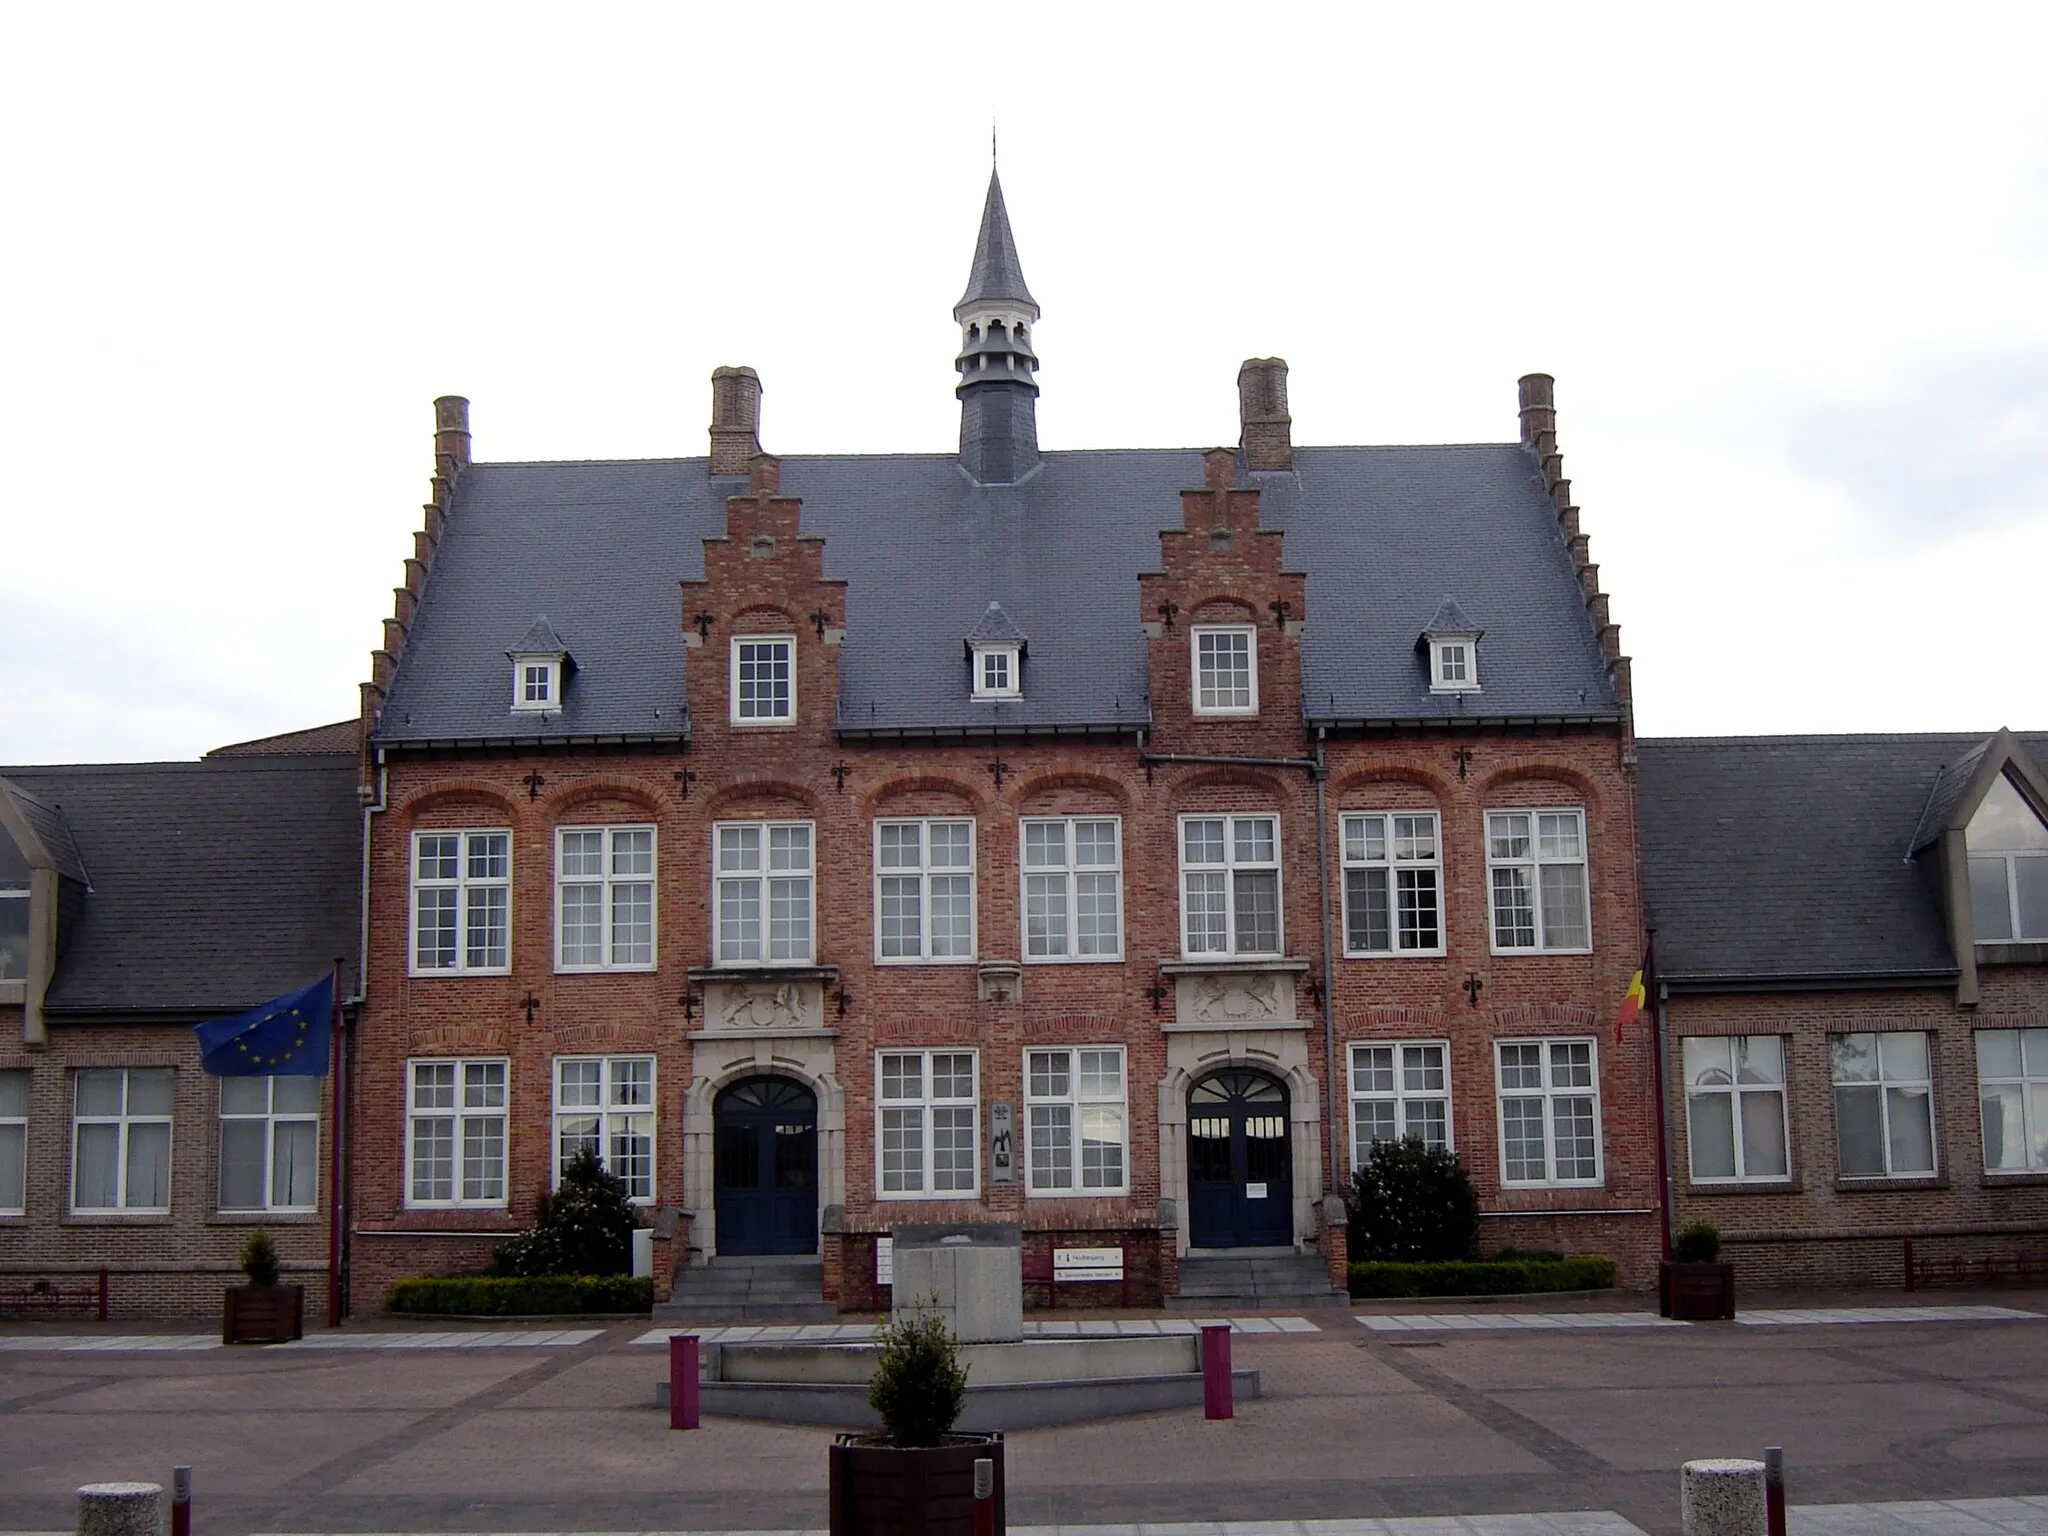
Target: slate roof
[(1785, 857), (1450, 620), (1382, 533), (314, 741), (996, 272), (995, 625), (48, 824), (215, 885), (540, 639)]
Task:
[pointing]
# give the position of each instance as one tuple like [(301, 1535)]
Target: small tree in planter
[(1695, 1286), (915, 1478), (263, 1311), (1412, 1203)]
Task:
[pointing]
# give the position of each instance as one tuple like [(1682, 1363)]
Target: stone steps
[(748, 1290), (1255, 1280)]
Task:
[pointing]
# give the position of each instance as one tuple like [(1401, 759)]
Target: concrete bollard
[(1722, 1497), (120, 1509)]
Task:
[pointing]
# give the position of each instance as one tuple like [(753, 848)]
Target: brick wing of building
[(1110, 842), (1852, 933)]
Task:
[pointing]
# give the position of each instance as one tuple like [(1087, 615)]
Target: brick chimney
[(735, 419), (1266, 431), (1539, 411)]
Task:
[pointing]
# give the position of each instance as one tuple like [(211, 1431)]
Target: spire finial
[(991, 142)]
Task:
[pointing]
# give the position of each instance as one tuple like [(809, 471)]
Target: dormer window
[(537, 685), (1452, 641), (995, 656), (540, 662), (2008, 846)]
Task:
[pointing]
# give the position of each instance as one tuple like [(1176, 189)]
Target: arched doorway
[(765, 1177), (1240, 1168)]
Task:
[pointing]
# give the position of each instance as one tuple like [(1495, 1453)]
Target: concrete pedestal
[(120, 1509), (971, 1274), (1722, 1498)]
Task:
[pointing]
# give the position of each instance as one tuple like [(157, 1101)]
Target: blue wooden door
[(766, 1178), (1240, 1167)]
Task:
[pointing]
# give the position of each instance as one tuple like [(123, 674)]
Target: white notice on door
[(1255, 1191)]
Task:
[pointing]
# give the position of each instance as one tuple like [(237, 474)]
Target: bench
[(1962, 1271), (46, 1298), (1070, 1266)]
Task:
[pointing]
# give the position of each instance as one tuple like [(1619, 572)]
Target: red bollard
[(1774, 1490), (984, 1496), (682, 1381), (181, 1501), (1217, 1402)]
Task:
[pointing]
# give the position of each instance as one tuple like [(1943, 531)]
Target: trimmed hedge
[(1483, 1277), (503, 1296)]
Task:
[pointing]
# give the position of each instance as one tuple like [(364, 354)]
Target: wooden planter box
[(1696, 1293), (878, 1488), (263, 1314)]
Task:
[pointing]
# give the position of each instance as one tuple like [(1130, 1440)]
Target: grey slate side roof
[(1785, 857), (1383, 533), (50, 828), (215, 885)]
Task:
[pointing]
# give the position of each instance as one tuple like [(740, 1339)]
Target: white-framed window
[(763, 679), (1399, 1089), (13, 1142), (1226, 669), (2008, 868), (606, 1104), (1549, 1111), (1884, 1104), (1076, 1131), (998, 672), (455, 1132), (763, 900), (461, 901), (1454, 664), (927, 1123), (1230, 885), (536, 684), (1536, 869), (1073, 888), (1393, 884), (604, 898), (269, 1143), (1735, 1108), (2012, 1094), (121, 1139), (924, 889)]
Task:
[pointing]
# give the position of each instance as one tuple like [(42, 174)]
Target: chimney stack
[(451, 431), (1539, 409), (735, 419), (764, 475), (1266, 431)]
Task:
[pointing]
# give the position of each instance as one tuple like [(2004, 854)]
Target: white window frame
[(625, 1096), (1401, 1095), (270, 1118), (610, 884), (2032, 1085), (926, 1104), (128, 1122), (921, 875), (1441, 651), (465, 886), (22, 894), (1357, 859), (736, 715), (1077, 1101), (1882, 1085), (14, 1129), (1550, 1093), (1196, 634), (1047, 883), (526, 671), (1230, 867), (461, 1113), (1738, 1093), (1011, 684), (1536, 862), (765, 876)]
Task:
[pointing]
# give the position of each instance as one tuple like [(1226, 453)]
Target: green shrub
[(1546, 1255), (259, 1259), (1412, 1203), (1698, 1242), (1484, 1277), (584, 1227), (919, 1385), (519, 1296)]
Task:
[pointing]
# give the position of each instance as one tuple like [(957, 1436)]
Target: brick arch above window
[(456, 797), (607, 795), (1224, 789), (1070, 792), (1223, 608), (918, 793), (1373, 788), (1395, 1017), (1522, 1018), (1539, 782), (765, 613), (760, 795)]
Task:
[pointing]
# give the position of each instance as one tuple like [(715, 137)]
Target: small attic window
[(997, 672), (536, 683), (1454, 664), (2008, 847)]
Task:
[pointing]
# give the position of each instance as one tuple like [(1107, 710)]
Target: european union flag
[(288, 1037)]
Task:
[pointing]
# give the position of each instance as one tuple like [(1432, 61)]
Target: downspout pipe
[(1331, 1180), (1664, 1189), (345, 1053)]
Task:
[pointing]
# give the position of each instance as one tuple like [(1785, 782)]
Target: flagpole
[(1660, 1037), (334, 1168)]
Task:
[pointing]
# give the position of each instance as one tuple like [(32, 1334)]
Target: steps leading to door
[(772, 1289), (1238, 1280)]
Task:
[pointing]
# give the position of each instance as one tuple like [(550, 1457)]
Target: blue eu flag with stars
[(289, 1036)]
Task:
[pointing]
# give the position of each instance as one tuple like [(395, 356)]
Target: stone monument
[(970, 1273)]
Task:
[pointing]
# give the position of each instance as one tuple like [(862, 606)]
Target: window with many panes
[(1399, 1090), (535, 684), (924, 890), (604, 898), (1073, 888), (13, 1143), (763, 679), (455, 1132), (1536, 868), (269, 1143), (2008, 847), (2012, 1095), (14, 908), (1549, 1111), (121, 1139), (764, 880), (461, 901), (1392, 884), (1230, 885), (1226, 669), (926, 1123), (1884, 1104), (997, 672), (1735, 1107), (1075, 1128), (605, 1105)]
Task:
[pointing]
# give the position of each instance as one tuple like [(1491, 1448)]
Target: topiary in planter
[(1698, 1242), (1695, 1286), (259, 1259), (919, 1385), (1412, 1203), (262, 1312)]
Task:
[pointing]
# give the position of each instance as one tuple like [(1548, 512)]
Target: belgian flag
[(1633, 1000)]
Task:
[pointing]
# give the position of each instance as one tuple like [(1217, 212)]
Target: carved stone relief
[(763, 1007), (1235, 997)]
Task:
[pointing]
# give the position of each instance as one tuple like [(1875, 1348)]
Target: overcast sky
[(1789, 265)]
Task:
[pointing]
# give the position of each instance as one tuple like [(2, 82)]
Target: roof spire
[(996, 273), (998, 417)]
